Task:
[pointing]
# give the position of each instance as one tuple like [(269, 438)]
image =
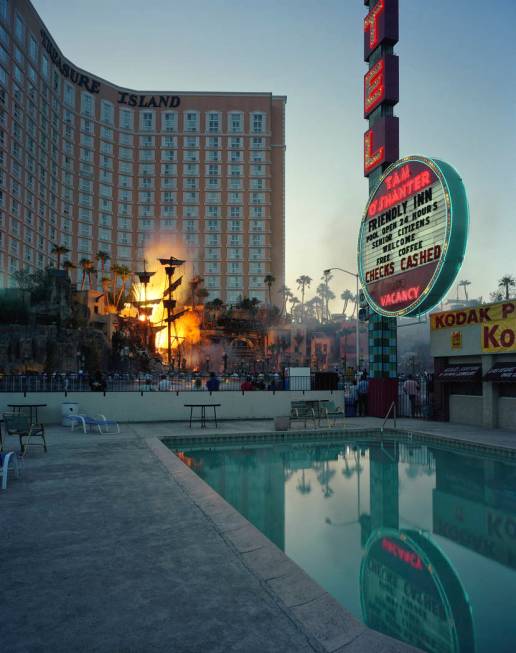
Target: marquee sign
[(410, 591), (413, 236)]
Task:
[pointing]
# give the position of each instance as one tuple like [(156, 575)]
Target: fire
[(186, 329)]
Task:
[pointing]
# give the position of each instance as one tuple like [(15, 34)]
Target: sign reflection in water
[(433, 531)]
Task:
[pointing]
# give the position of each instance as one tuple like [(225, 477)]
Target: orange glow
[(186, 330)]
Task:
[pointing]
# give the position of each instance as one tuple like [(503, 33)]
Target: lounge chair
[(99, 422), (20, 426), (8, 458), (302, 411), (329, 409)]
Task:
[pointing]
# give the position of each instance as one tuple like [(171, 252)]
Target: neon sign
[(380, 26), (381, 143), (381, 83), (413, 237)]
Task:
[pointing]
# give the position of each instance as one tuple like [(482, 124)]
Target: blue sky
[(457, 100)]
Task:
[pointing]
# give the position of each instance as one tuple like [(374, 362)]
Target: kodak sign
[(499, 337)]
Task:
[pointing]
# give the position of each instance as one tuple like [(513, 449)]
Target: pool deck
[(109, 543)]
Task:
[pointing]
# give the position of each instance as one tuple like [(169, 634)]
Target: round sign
[(412, 237), (410, 591)]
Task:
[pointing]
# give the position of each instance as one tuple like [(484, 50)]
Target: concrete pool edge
[(326, 624)]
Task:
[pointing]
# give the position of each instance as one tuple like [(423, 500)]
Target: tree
[(103, 257), (269, 280), (59, 250), (124, 273), (67, 266), (465, 283), (507, 282), (86, 267), (346, 296), (286, 294), (303, 282), (325, 294)]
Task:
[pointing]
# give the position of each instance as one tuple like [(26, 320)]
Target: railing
[(392, 409)]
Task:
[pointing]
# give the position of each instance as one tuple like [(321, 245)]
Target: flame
[(186, 329)]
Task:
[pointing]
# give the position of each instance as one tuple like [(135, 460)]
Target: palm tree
[(303, 282), (294, 301), (103, 257), (124, 273), (106, 282), (346, 296), (59, 250), (465, 283), (325, 294), (286, 294), (86, 267), (507, 282), (115, 273), (269, 280), (68, 265)]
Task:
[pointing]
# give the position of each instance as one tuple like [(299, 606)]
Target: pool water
[(418, 541)]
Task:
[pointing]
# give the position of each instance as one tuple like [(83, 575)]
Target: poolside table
[(203, 412), (19, 407)]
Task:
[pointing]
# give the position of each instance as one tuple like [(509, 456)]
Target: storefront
[(474, 352)]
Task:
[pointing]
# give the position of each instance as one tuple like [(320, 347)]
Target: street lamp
[(357, 329)]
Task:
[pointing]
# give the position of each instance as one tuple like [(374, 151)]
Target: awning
[(460, 373), (501, 373)]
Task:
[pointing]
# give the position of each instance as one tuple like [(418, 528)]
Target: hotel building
[(95, 167)]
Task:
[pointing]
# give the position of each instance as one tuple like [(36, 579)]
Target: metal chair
[(8, 459), (20, 426)]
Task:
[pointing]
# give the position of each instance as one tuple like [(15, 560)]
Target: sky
[(457, 101)]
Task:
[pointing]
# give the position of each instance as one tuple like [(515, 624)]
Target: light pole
[(357, 329)]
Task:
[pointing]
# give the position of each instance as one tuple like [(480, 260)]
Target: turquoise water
[(417, 541)]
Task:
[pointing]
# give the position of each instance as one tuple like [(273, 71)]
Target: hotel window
[(126, 119), (234, 268), (213, 267), (235, 211), (124, 252), (258, 122), (107, 133), (168, 224), (235, 171), (87, 126), (147, 141), (191, 197), (146, 196), (124, 181), (235, 240), (125, 139), (190, 226), (257, 198), (107, 112), (168, 211), (168, 155), (105, 191), (236, 143), (105, 234), (212, 170), (191, 141), (4, 9), (236, 183), (105, 162), (105, 220), (85, 214), (87, 104), (4, 56), (19, 28), (169, 182), (258, 225), (191, 212), (235, 122), (106, 177), (69, 95), (212, 197), (212, 253), (32, 77), (212, 240), (87, 140), (236, 225), (191, 169), (4, 37), (44, 66), (213, 183), (257, 143), (33, 48), (257, 184), (213, 142), (105, 205), (191, 183), (235, 198), (147, 155), (257, 170), (146, 169), (85, 185), (234, 254), (213, 225), (84, 229), (234, 282), (125, 167), (86, 155), (213, 155), (235, 155), (147, 120), (257, 155), (257, 240), (18, 75), (191, 121), (124, 238), (169, 141), (3, 76), (106, 148), (191, 240), (168, 196), (213, 121), (169, 121), (191, 155), (146, 224)]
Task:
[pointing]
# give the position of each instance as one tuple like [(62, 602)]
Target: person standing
[(411, 388), (164, 384), (212, 384), (363, 390)]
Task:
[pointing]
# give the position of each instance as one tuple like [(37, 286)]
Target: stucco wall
[(507, 412), (466, 409), (167, 406)]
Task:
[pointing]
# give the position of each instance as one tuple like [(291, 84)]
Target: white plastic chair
[(9, 458)]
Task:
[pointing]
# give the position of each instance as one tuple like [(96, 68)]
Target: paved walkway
[(106, 548)]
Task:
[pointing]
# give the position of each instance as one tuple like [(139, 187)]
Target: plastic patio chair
[(98, 422), (8, 459), (20, 426)]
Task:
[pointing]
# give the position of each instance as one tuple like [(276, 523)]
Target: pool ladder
[(392, 408)]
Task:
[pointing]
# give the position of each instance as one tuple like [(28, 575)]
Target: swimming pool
[(416, 539)]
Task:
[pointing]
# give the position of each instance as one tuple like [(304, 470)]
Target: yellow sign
[(499, 337), (487, 313)]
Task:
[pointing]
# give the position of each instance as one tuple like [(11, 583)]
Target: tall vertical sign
[(381, 147)]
